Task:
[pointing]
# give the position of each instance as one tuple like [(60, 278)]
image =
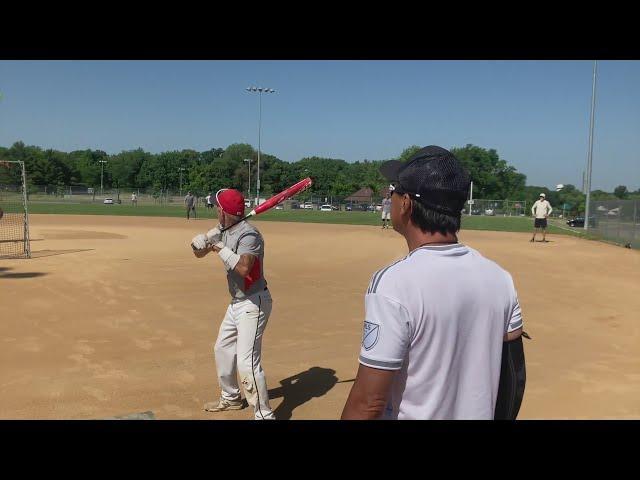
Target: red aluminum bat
[(275, 200)]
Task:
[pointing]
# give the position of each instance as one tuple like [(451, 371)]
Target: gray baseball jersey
[(386, 205), (242, 239), (439, 316), (190, 200)]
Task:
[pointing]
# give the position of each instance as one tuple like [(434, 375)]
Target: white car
[(326, 208), (279, 207), (108, 201), (307, 206), (489, 212)]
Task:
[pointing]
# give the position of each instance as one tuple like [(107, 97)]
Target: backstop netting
[(14, 217)]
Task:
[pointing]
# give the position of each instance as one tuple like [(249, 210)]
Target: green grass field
[(505, 224)]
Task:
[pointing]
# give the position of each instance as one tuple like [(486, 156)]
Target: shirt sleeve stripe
[(373, 280), (380, 364), (515, 326), (375, 286)]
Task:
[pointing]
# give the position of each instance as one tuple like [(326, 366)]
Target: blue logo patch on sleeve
[(370, 335)]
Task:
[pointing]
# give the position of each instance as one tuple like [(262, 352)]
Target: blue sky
[(534, 113)]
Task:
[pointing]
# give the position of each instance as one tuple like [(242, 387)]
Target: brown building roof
[(367, 195)]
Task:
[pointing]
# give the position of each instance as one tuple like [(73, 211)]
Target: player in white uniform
[(541, 209), (442, 327), (239, 344), (386, 211)]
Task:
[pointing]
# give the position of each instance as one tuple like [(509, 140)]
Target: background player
[(190, 203), (541, 210), (386, 211)]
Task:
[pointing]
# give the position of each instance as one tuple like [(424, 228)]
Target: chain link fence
[(317, 201), (616, 221), (70, 194), (492, 208), (307, 200)]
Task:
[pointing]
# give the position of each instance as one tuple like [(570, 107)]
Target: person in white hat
[(541, 210)]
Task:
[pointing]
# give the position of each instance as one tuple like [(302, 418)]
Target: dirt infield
[(114, 315)]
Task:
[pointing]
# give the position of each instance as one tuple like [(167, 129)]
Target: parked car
[(307, 206), (108, 201), (579, 222), (476, 211), (326, 208), (489, 212), (279, 207), (334, 207)]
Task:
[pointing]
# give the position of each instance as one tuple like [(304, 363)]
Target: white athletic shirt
[(439, 316), (541, 209)]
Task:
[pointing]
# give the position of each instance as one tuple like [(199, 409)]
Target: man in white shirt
[(442, 329), (386, 210), (541, 210)]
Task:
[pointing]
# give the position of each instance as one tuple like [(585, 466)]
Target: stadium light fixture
[(260, 91)]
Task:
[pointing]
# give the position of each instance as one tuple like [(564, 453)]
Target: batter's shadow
[(302, 387)]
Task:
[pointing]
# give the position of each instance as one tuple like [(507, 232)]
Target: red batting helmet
[(231, 201)]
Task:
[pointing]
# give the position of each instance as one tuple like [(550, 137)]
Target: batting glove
[(199, 242), (214, 235)]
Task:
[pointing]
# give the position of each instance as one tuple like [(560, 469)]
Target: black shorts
[(540, 223)]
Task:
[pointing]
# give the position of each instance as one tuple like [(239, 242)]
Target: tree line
[(210, 170)]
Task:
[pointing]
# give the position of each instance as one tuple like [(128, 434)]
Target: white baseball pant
[(238, 350)]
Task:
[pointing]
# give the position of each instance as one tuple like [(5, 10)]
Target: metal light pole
[(181, 169), (593, 107), (260, 91), (102, 176), (249, 186)]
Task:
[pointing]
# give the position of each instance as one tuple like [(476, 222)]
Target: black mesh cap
[(433, 176)]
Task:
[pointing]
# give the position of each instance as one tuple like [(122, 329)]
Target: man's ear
[(406, 202)]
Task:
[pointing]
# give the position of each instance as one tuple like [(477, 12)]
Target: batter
[(239, 344)]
